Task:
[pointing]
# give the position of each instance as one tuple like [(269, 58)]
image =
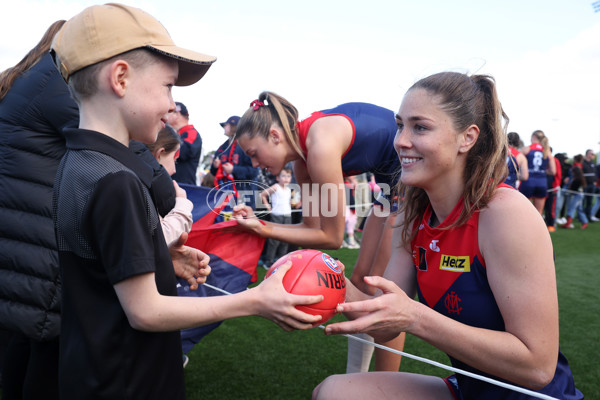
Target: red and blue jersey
[(452, 280), (537, 184), (536, 162), (189, 155), (372, 146)]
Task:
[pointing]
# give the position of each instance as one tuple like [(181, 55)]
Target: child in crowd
[(120, 312), (166, 150), (281, 212)]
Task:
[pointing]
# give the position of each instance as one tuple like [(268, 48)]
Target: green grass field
[(252, 358)]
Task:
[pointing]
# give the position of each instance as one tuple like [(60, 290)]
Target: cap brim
[(192, 65)]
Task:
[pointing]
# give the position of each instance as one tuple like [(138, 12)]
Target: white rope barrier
[(434, 363), (216, 288), (574, 191), (299, 210), (367, 205), (452, 369)]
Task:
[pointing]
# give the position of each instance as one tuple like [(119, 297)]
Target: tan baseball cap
[(104, 31)]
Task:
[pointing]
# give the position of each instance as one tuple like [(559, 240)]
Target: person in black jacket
[(35, 107)]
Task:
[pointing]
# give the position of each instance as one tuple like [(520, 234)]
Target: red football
[(314, 272)]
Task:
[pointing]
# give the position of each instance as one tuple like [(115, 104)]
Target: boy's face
[(148, 99), (284, 178)]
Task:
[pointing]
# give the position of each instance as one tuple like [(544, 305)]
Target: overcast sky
[(545, 55)]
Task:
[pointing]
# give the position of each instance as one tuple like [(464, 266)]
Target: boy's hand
[(276, 304), (189, 263)]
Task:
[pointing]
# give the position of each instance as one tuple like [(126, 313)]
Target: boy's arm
[(123, 238), (264, 195), (148, 310)]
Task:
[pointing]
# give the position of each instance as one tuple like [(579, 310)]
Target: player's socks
[(359, 354)]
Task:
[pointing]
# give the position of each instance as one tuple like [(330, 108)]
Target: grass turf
[(252, 358)]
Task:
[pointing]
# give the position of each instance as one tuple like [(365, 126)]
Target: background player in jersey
[(346, 140), (540, 162), (518, 171), (463, 242)]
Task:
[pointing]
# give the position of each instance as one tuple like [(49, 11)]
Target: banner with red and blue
[(233, 253)]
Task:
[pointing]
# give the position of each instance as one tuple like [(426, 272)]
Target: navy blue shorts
[(452, 384), (534, 187)]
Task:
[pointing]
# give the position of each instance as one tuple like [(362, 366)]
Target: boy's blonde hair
[(84, 83)]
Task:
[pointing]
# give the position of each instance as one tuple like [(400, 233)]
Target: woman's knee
[(326, 389)]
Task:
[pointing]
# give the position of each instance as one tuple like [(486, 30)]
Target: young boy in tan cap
[(120, 314)]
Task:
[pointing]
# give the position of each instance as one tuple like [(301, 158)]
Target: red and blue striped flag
[(233, 253)]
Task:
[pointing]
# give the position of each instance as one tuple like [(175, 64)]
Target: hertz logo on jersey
[(455, 263)]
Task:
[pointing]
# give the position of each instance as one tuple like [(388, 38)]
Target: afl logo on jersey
[(330, 262)]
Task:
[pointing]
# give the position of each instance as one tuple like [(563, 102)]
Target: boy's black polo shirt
[(108, 230)]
